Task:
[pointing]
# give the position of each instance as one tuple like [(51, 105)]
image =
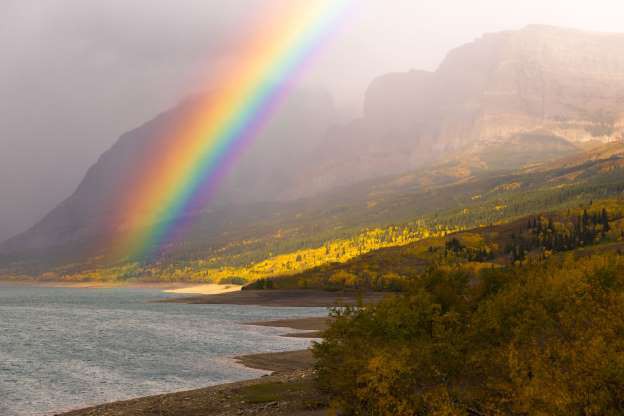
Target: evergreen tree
[(605, 221)]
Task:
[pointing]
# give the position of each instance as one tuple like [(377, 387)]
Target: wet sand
[(283, 298)]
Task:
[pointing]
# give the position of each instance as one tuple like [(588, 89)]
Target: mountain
[(506, 102), (250, 242), (555, 87), (263, 172)]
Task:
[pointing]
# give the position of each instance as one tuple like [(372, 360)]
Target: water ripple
[(66, 348)]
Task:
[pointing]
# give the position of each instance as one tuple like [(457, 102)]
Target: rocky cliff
[(539, 82)]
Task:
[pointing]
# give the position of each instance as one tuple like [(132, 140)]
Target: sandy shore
[(179, 288), (207, 289)]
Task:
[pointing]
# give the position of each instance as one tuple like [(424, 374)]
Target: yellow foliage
[(541, 339), (202, 270), (343, 278)]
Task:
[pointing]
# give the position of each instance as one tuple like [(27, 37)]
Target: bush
[(260, 284), (545, 339), (233, 280)]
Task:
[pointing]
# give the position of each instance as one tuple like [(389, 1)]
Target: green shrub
[(233, 280)]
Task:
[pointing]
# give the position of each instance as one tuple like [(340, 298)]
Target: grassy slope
[(389, 268), (272, 239)]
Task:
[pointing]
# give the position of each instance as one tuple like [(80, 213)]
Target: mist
[(75, 75)]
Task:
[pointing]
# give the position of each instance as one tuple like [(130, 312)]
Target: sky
[(76, 74)]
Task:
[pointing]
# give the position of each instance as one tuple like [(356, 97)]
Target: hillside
[(542, 337), (290, 238), (561, 87), (88, 217), (594, 227), (433, 152)]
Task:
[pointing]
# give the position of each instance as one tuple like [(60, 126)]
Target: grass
[(303, 391)]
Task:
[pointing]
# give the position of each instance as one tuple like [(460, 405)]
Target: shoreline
[(205, 289), (287, 360), (283, 298), (223, 294), (97, 285), (292, 393), (176, 288), (288, 390), (313, 327)]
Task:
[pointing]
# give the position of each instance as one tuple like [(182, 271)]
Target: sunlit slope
[(594, 227), (272, 239), (534, 94)]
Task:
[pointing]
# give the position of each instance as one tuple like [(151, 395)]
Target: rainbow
[(186, 164)]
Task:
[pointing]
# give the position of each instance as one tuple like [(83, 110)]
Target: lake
[(62, 349)]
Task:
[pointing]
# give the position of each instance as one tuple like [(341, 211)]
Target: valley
[(391, 212)]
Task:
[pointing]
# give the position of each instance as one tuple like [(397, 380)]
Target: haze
[(74, 75)]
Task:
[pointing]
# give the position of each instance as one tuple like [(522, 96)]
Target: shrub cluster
[(543, 339)]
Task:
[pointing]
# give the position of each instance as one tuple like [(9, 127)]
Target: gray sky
[(75, 74)]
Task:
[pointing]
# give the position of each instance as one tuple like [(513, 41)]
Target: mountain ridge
[(494, 89), (503, 101)]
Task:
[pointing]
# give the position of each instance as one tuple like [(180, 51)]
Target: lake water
[(62, 349)]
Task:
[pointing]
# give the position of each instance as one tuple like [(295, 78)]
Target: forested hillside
[(532, 339), (521, 318), (597, 226), (291, 238)]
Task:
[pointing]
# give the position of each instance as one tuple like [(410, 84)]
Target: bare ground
[(282, 298)]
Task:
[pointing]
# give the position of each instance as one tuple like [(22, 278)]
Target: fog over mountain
[(506, 100), (76, 75)]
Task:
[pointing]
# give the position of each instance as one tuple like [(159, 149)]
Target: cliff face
[(504, 100), (560, 81), (538, 81), (565, 82)]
